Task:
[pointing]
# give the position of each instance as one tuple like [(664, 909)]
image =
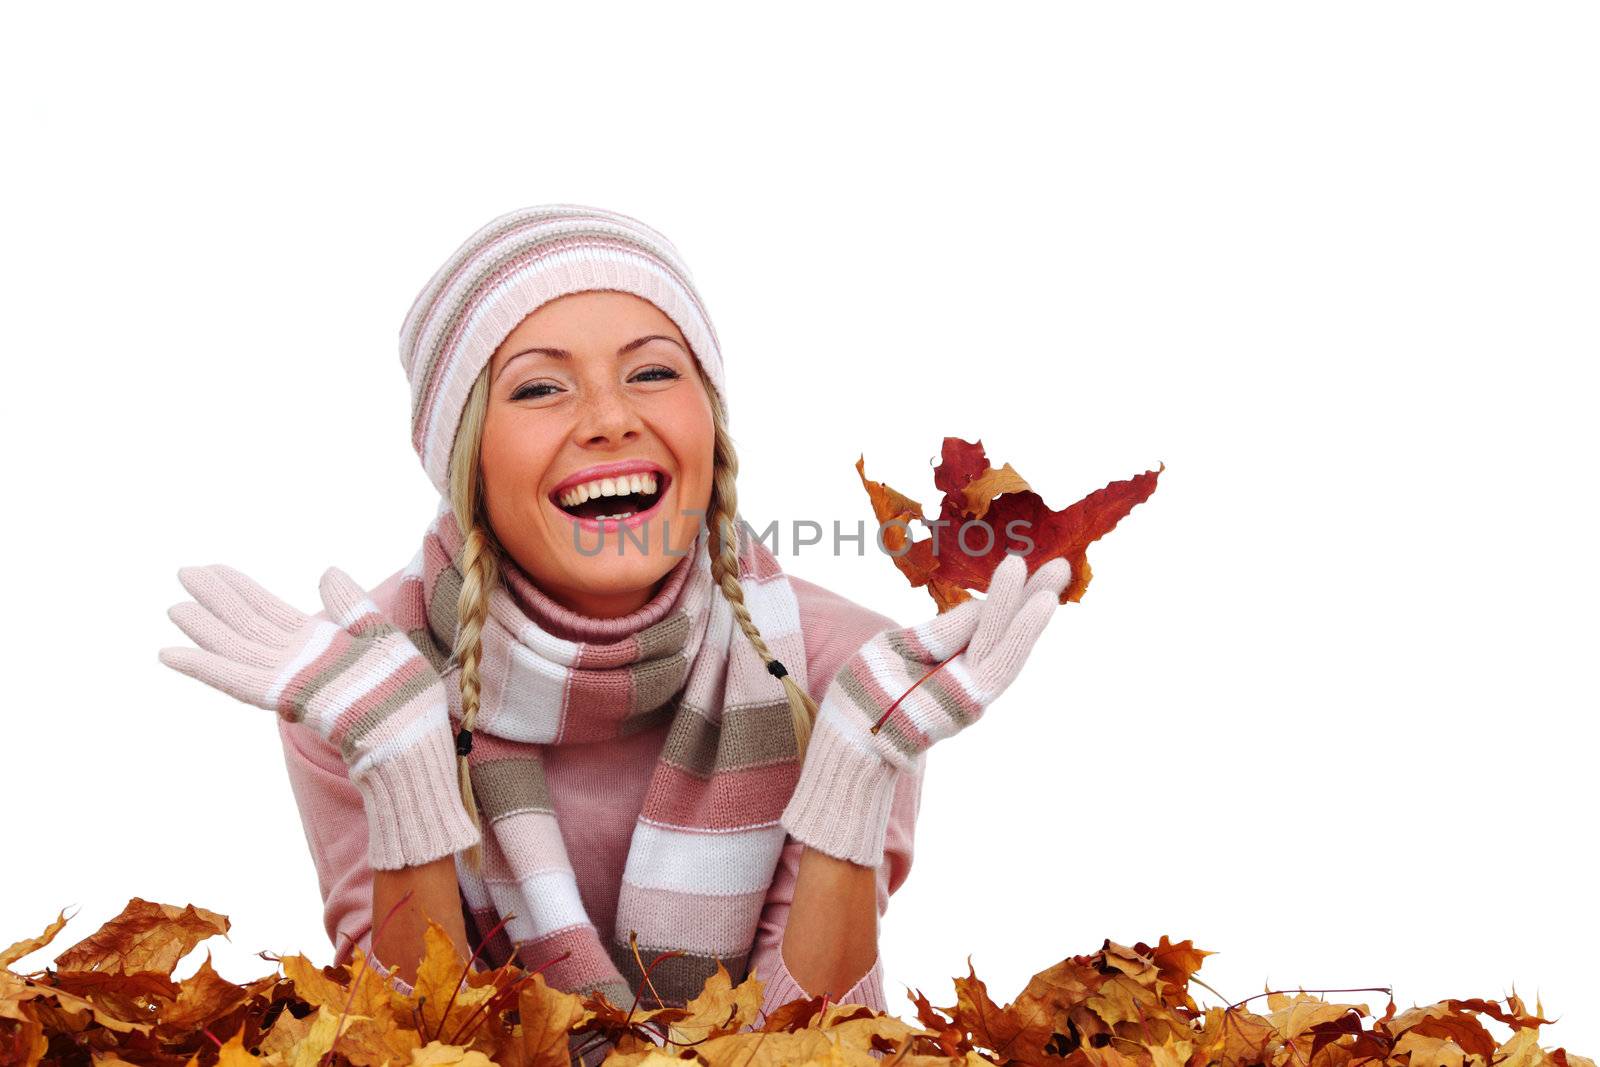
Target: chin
[(634, 553)]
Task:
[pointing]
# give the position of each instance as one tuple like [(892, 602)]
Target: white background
[(1328, 705)]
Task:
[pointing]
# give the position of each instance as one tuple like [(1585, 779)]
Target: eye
[(667, 374), (528, 391)]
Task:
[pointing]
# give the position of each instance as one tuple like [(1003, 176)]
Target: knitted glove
[(841, 804), (357, 681)]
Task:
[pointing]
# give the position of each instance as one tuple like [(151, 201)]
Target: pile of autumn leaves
[(111, 999)]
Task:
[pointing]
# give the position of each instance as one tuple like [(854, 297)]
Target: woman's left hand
[(840, 805), (985, 642)]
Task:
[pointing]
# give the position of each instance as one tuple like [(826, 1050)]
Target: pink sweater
[(598, 790)]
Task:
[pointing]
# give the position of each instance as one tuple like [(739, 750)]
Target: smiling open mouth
[(617, 505)]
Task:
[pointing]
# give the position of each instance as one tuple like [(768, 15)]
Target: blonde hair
[(481, 554)]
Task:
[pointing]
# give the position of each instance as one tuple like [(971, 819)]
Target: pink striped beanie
[(509, 269)]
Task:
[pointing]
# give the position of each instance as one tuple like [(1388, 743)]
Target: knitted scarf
[(707, 841)]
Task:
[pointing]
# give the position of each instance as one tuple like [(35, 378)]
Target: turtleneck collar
[(561, 621)]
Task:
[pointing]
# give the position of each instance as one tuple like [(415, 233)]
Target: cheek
[(516, 453), (696, 457), (691, 435)]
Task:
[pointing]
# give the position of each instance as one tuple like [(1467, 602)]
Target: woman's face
[(589, 381)]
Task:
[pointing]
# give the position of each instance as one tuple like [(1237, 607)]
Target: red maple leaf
[(987, 512)]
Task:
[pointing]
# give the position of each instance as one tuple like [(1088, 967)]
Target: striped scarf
[(707, 841)]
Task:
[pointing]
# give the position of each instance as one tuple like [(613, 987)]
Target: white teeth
[(620, 486)]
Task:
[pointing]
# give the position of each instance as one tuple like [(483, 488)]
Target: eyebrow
[(562, 353)]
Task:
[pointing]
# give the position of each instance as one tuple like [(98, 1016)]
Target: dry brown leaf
[(30, 945), (144, 937), (547, 1018), (721, 1008), (202, 997)]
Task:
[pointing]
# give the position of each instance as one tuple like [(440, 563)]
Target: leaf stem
[(464, 972), (902, 696), (498, 1001), (633, 942), (1286, 992)]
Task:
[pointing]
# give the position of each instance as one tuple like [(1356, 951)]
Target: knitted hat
[(507, 270)]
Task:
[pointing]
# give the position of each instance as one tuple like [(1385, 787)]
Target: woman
[(592, 701)]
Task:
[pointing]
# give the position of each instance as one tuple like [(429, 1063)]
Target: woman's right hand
[(357, 681)]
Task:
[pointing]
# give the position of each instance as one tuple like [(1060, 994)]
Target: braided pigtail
[(480, 570), (478, 575), (723, 548)]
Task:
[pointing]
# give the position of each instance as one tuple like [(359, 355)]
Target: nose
[(609, 417)]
